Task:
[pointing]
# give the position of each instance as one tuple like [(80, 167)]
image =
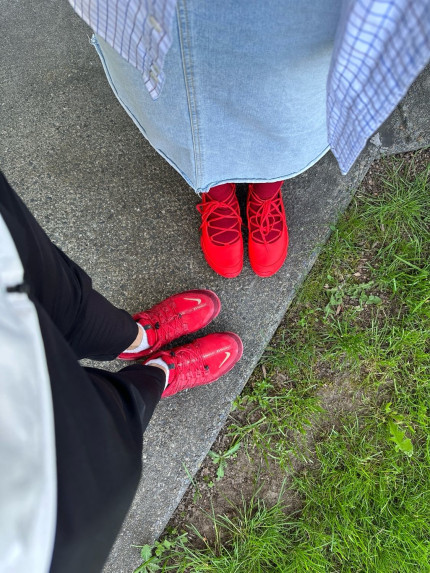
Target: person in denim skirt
[(256, 92)]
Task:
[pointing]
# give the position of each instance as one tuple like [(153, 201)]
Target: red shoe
[(222, 246), (201, 362), (268, 233), (177, 315)]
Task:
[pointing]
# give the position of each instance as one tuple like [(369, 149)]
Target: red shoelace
[(221, 218), (189, 366), (266, 217), (166, 323)]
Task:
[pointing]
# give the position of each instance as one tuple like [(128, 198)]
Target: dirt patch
[(245, 475), (249, 474)]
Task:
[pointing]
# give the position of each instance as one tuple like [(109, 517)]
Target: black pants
[(99, 416)]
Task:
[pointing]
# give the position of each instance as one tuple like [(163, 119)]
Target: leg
[(99, 421), (92, 325), (99, 416), (266, 190)]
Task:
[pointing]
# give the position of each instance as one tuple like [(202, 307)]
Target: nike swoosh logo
[(227, 356), (198, 300)]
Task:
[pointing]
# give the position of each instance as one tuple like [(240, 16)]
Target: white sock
[(144, 343), (161, 363)]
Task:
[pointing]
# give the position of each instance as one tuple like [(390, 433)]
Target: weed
[(374, 327), (154, 555), (220, 459)]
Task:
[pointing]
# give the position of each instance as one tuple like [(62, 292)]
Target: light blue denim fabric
[(245, 92)]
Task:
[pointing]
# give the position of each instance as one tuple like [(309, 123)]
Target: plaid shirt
[(380, 48)]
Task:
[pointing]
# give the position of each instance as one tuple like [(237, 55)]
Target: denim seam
[(187, 66), (99, 51), (285, 177)]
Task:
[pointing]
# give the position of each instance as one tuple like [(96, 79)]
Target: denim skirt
[(244, 98)]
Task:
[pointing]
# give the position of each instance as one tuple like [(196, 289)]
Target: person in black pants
[(99, 416)]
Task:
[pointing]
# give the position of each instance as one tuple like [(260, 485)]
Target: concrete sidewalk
[(117, 208)]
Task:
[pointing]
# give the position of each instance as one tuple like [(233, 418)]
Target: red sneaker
[(222, 243), (201, 362), (268, 233), (177, 315)]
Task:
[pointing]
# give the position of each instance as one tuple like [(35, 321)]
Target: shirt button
[(155, 24)]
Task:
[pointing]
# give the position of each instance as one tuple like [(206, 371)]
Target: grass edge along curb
[(362, 318)]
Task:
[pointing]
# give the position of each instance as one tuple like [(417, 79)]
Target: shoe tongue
[(222, 219), (150, 334)]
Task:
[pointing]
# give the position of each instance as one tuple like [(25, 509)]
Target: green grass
[(253, 540), (368, 505), (366, 508), (363, 314), (362, 318)]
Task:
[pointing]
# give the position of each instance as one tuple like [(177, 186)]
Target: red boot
[(222, 244), (268, 233)]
